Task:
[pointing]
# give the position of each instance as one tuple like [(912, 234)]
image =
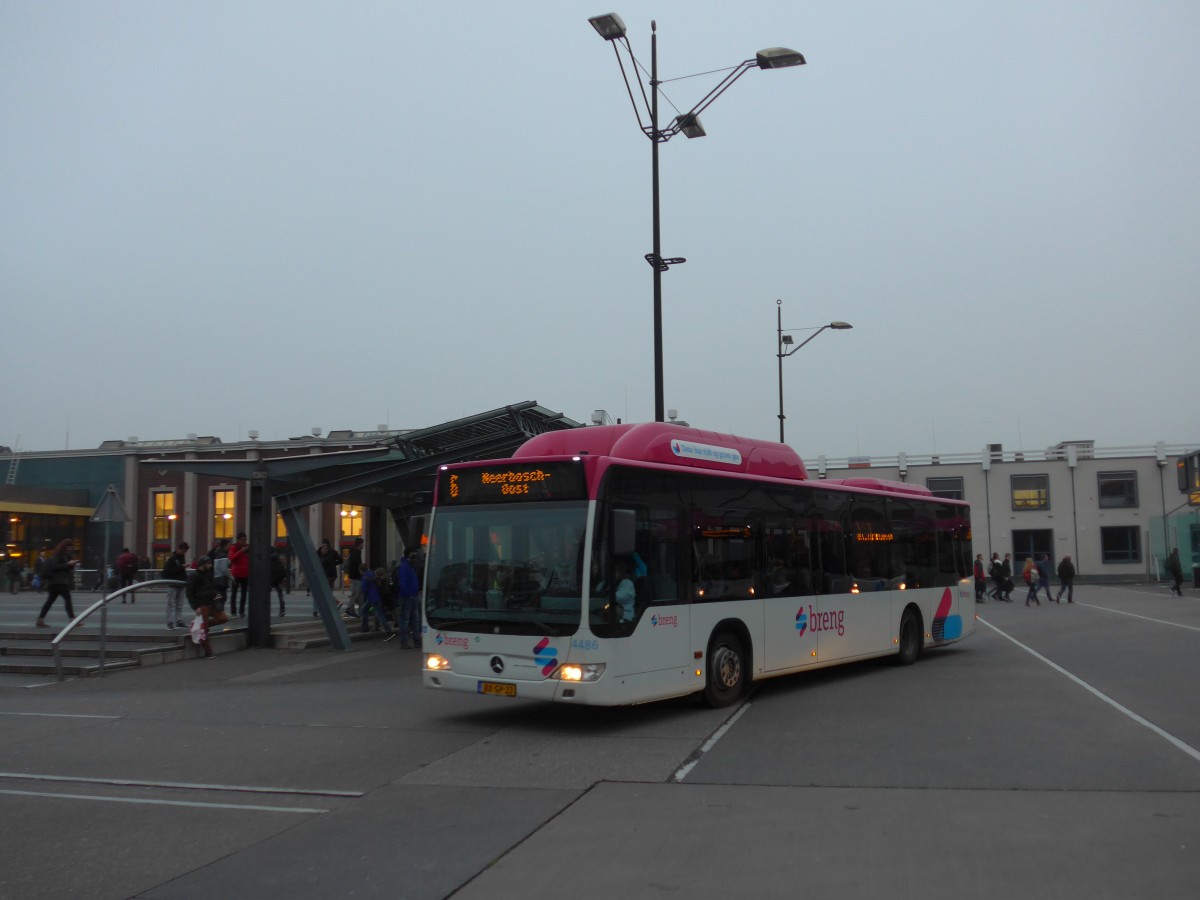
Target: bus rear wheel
[(726, 670), (910, 639)]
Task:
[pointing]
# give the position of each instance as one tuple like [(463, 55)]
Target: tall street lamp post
[(612, 29), (785, 340)]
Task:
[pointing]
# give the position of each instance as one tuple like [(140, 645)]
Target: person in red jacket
[(239, 572), (127, 569)]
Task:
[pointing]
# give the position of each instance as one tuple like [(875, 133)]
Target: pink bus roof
[(675, 445)]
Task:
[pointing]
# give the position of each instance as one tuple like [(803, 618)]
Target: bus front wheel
[(726, 670), (910, 639)]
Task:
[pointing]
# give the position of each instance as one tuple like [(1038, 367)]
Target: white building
[(1115, 511)]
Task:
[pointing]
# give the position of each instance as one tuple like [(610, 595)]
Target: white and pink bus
[(627, 563)]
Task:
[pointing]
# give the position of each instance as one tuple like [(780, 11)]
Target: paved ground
[(1052, 755)]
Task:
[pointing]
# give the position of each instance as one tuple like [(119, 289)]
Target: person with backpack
[(1044, 569), (175, 569), (1175, 567), (1030, 574)]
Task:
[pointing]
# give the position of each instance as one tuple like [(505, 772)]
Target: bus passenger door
[(789, 599)]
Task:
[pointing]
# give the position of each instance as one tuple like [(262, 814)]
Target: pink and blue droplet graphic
[(945, 626), (545, 656)]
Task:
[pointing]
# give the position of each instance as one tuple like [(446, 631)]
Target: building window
[(163, 503), (1117, 489), (950, 488), (1120, 544), (1030, 491), (351, 518), (223, 507)]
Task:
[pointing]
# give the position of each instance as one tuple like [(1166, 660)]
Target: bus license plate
[(497, 689)]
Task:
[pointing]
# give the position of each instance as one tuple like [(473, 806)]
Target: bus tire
[(911, 640), (726, 670)]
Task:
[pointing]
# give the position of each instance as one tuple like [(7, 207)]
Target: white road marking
[(181, 785), (281, 809), (56, 715), (687, 767), (1167, 736), (1121, 612)]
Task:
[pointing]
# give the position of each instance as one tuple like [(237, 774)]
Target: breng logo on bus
[(664, 621), (833, 620), (445, 640)]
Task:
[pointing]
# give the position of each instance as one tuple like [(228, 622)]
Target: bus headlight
[(436, 662), (580, 672)]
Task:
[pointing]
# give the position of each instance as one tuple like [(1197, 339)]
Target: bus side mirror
[(624, 531)]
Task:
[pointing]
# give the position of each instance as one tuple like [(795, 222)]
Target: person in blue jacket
[(371, 601), (409, 589)]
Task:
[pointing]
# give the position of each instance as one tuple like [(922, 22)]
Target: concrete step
[(73, 666), (33, 653), (312, 635)]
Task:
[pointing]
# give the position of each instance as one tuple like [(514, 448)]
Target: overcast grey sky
[(224, 216)]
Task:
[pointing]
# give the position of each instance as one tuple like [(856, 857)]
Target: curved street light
[(612, 29), (785, 340)]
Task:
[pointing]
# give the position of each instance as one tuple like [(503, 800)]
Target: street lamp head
[(840, 326), (690, 125), (772, 57), (610, 27)]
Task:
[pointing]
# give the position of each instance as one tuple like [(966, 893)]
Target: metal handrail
[(102, 605)]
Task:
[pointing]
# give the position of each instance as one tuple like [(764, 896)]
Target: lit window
[(1030, 491), (223, 507), (351, 518), (164, 516)]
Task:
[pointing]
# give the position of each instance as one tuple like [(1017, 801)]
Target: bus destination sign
[(513, 483)]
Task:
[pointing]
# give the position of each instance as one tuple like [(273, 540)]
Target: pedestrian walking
[(279, 574), (219, 556), (175, 569), (997, 575), (1175, 567), (239, 574), (371, 601), (1029, 574), (980, 578), (1006, 573), (408, 587), (352, 568), (1044, 570), (14, 570), (60, 574), (127, 569), (1066, 579), (329, 560)]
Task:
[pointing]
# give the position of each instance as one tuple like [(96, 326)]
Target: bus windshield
[(506, 569)]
